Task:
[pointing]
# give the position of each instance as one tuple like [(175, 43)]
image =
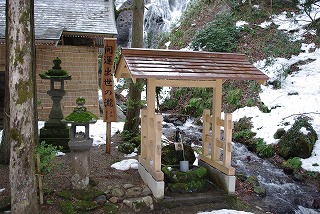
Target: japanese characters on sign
[(109, 102)]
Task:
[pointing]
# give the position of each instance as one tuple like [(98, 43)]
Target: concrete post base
[(157, 187), (80, 168), (226, 182)]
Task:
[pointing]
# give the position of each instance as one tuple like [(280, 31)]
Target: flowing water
[(159, 17), (283, 195)]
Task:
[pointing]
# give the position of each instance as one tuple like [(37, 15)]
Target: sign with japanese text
[(108, 97)]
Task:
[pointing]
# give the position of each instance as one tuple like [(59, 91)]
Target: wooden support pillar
[(228, 124), (151, 99), (205, 131), (144, 134), (157, 143), (216, 117)]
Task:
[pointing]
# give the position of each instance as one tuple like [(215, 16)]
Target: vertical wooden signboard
[(109, 102)]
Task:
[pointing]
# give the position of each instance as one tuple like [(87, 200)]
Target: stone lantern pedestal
[(80, 144), (55, 131)]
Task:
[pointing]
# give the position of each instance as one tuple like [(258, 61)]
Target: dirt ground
[(105, 176), (101, 172)]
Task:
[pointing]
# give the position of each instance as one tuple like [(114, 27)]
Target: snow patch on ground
[(126, 164)]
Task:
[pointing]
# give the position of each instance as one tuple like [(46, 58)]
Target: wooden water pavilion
[(186, 69)]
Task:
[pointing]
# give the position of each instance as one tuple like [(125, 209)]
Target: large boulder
[(298, 141), (176, 119)]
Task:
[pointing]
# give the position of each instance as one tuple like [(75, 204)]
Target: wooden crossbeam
[(228, 170)]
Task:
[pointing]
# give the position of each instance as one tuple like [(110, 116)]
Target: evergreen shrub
[(220, 35)]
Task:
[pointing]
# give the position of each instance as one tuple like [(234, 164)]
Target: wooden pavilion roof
[(185, 65)]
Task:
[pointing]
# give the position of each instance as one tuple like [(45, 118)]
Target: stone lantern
[(55, 131), (80, 144)]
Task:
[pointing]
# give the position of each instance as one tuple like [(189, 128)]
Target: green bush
[(294, 163), (201, 98), (245, 136), (243, 124), (219, 35), (126, 147), (168, 104), (262, 149), (234, 97), (47, 154)]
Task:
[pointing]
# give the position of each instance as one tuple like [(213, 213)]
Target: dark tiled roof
[(52, 17)]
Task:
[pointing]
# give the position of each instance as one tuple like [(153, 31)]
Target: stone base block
[(54, 133), (80, 167), (56, 137), (226, 182), (157, 187)]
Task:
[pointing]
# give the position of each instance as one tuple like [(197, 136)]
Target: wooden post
[(151, 99), (39, 179), (143, 134), (157, 142), (227, 140), (216, 117), (108, 140), (205, 132)]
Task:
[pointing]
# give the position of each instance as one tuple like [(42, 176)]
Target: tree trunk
[(5, 143), (134, 96), (20, 52)]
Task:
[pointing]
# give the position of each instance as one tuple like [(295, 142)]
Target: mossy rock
[(65, 194), (176, 176), (70, 207), (260, 190), (298, 141), (83, 206), (190, 186), (67, 207), (172, 157), (279, 133), (86, 195), (109, 208), (126, 148), (182, 182), (253, 180)]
